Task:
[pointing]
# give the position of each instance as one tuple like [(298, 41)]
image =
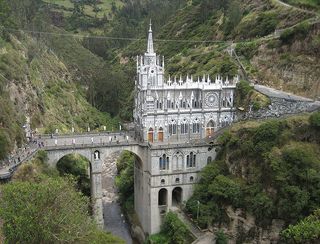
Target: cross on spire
[(150, 40)]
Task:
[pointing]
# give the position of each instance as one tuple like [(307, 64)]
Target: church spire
[(150, 41)]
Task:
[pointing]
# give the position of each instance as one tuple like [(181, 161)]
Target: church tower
[(179, 109), (150, 76)]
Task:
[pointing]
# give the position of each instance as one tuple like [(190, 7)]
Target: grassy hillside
[(290, 64), (45, 78), (312, 5), (99, 9)]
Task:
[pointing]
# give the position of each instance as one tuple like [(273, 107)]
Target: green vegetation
[(275, 173), (305, 231), (221, 238), (298, 32), (313, 5), (173, 230), (125, 181), (247, 96), (38, 206), (78, 167)]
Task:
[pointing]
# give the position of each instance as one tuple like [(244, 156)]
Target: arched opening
[(164, 162), (163, 181), (150, 135), (80, 168), (96, 155), (191, 179), (122, 185), (163, 197), (210, 129), (176, 196), (209, 159), (191, 160), (160, 134)]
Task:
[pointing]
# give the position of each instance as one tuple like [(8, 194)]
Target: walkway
[(7, 168), (196, 232), (279, 2)]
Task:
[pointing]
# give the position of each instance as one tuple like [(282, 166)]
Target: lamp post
[(198, 210)]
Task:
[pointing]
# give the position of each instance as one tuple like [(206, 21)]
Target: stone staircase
[(195, 231)]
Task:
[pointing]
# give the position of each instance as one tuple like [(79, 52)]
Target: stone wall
[(280, 107), (282, 103)]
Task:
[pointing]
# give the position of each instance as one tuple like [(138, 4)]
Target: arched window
[(164, 162), (184, 128), (162, 197), (168, 103), (196, 127), (160, 134), (191, 179), (150, 135), (191, 160), (210, 128), (96, 155), (177, 180), (163, 181), (209, 160), (172, 128)]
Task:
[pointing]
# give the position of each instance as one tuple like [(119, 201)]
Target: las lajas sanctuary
[(174, 116), (177, 110)]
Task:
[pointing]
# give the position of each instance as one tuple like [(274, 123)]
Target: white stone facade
[(175, 109), (173, 115)]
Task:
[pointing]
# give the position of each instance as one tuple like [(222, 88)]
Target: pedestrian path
[(23, 155), (196, 232)]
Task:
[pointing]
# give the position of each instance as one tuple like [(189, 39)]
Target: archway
[(210, 129), (80, 168), (176, 196), (150, 135), (122, 187), (163, 197), (160, 134)]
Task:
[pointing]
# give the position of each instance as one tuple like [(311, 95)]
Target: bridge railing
[(94, 145), (85, 134)]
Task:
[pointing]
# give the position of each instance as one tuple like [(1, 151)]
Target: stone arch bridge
[(163, 177)]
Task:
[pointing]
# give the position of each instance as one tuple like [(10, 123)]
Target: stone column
[(96, 191)]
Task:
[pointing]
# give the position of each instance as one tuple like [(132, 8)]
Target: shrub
[(50, 211), (298, 32), (247, 49), (174, 228), (221, 238), (315, 120), (306, 231)]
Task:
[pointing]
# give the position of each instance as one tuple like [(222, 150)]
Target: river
[(114, 220)]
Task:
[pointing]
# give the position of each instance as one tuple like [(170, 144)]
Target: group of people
[(20, 155)]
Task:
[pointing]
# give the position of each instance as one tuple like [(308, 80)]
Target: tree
[(50, 211), (6, 18), (315, 120), (306, 231), (174, 228), (4, 144)]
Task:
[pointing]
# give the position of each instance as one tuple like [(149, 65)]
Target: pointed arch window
[(184, 127), (172, 128), (191, 160), (164, 162), (196, 127)]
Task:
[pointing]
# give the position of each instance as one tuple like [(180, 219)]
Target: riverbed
[(114, 220)]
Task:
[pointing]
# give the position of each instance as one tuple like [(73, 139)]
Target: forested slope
[(265, 177), (45, 78)]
